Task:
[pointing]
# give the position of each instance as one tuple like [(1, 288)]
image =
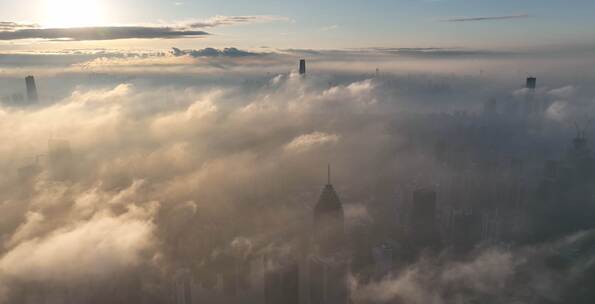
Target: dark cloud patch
[(487, 18), (100, 33), (212, 52)]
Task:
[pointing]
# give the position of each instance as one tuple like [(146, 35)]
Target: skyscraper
[(531, 83), (330, 259), (302, 66), (31, 89)]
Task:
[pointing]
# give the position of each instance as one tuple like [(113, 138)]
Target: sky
[(328, 24)]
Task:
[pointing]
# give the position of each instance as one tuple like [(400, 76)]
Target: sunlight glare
[(73, 13)]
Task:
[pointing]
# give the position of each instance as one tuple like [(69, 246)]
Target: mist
[(139, 177)]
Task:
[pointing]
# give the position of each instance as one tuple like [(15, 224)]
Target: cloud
[(11, 26), (17, 31), (100, 33), (103, 245), (234, 20), (487, 18), (212, 52), (306, 142), (330, 28), (564, 92), (245, 147)]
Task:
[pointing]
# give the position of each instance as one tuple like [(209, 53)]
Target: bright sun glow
[(73, 13)]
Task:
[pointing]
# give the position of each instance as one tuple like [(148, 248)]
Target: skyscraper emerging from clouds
[(302, 66), (330, 259), (32, 96)]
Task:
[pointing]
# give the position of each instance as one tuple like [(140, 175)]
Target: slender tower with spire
[(329, 220), (329, 262)]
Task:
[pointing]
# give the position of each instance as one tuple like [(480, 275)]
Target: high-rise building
[(302, 66), (329, 222), (531, 83), (32, 96), (329, 261)]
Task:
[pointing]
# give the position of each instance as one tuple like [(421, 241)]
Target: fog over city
[(135, 172)]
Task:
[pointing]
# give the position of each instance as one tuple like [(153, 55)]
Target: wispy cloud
[(330, 28), (487, 18), (12, 26), (234, 20)]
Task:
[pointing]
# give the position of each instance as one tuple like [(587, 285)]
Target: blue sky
[(350, 23)]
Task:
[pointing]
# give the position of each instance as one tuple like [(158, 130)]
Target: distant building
[(32, 96), (303, 67), (383, 259), (566, 195), (531, 83), (183, 287), (466, 229), (422, 223)]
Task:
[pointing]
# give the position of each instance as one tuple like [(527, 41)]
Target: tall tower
[(302, 66), (329, 220), (31, 89), (531, 83), (329, 263)]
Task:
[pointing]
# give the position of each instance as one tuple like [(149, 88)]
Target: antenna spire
[(329, 174)]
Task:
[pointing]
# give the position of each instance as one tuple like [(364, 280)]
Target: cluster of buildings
[(315, 269)]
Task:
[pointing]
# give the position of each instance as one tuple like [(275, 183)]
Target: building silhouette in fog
[(183, 287), (60, 160), (32, 96), (281, 281), (329, 260), (566, 192), (423, 226), (303, 67), (531, 83)]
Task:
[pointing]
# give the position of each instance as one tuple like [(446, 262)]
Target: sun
[(73, 13)]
